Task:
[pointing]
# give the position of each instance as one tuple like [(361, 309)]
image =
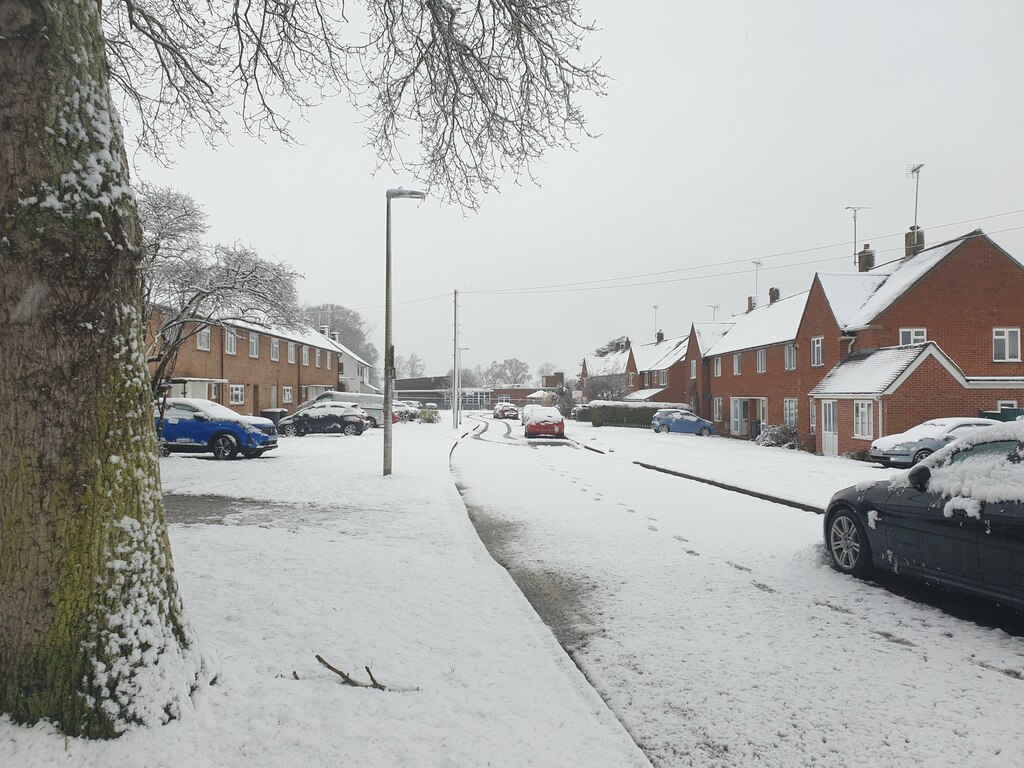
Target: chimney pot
[(325, 329), (866, 259), (659, 337), (750, 304), (773, 295), (913, 242)]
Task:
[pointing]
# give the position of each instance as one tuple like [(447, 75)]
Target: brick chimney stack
[(773, 295), (865, 259), (659, 337), (913, 242), (751, 303)]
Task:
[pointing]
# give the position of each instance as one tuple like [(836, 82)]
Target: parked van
[(371, 403)]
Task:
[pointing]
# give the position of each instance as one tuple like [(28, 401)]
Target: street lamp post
[(389, 347)]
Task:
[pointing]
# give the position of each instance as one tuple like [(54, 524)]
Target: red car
[(544, 422)]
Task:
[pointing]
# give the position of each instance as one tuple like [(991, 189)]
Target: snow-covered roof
[(301, 335), (660, 355), (709, 332), (644, 394), (857, 299), (538, 394), (616, 363), (773, 323), (872, 372)]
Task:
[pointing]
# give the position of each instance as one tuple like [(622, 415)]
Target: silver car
[(918, 443)]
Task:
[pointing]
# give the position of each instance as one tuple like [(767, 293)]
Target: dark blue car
[(678, 420), (194, 425)]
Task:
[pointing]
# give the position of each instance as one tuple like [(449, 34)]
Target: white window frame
[(790, 411), (230, 342), (305, 355), (693, 369), (291, 352), (812, 414), (645, 378), (863, 419), (718, 367), (817, 351), (203, 340), (1005, 336), (237, 394), (762, 360), (913, 336), (286, 394), (330, 363), (254, 344), (632, 379), (318, 356), (737, 364), (1001, 404), (275, 350), (663, 378), (718, 409), (790, 355)]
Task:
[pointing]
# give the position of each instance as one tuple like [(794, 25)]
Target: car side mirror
[(949, 438), (919, 477), (199, 416)]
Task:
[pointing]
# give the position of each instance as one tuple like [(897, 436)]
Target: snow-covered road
[(711, 623)]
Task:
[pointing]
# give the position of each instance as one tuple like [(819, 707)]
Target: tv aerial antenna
[(856, 208), (914, 172)]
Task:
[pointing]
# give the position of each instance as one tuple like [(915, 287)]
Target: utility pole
[(856, 208), (455, 366)]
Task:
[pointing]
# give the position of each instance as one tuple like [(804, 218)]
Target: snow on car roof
[(542, 414)]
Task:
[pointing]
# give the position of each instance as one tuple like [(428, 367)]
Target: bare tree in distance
[(189, 285), (353, 331), (416, 366), (485, 87), (546, 369), (401, 367), (510, 371)]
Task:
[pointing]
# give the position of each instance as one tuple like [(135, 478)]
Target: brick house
[(861, 355), (661, 367), (611, 376), (943, 323), (250, 367), (703, 335), (755, 376)]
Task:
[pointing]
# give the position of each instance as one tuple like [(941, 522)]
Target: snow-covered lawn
[(711, 623), (327, 557)]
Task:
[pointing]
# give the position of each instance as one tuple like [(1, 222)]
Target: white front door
[(829, 428)]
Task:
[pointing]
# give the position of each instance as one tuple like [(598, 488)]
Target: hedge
[(611, 413)]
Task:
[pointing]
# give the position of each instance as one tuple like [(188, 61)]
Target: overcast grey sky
[(731, 132)]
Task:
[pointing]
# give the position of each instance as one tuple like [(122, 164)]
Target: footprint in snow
[(652, 527), (764, 587), (738, 567), (691, 552), (631, 511), (680, 538)]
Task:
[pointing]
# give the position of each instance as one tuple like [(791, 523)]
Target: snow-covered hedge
[(618, 413), (777, 436)]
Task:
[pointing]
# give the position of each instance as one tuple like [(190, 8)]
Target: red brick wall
[(974, 289), (257, 374)]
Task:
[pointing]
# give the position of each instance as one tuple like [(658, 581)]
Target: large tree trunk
[(91, 629)]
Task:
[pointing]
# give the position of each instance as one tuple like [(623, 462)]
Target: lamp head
[(401, 192)]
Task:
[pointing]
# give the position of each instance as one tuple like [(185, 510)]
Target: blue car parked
[(678, 420), (194, 425)]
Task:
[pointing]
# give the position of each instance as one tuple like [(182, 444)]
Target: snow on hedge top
[(708, 333), (636, 404), (644, 394), (770, 324), (661, 354), (614, 364), (869, 373)]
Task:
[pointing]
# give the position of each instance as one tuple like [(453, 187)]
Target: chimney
[(773, 295), (325, 329), (627, 343), (659, 337), (913, 242), (751, 303), (865, 259), (334, 336)]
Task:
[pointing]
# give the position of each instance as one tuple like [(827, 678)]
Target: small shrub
[(777, 436), (429, 416)]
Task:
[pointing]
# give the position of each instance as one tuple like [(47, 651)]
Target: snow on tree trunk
[(92, 634)]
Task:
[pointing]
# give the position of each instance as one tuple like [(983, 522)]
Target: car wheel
[(704, 432), (373, 423), (290, 430), (351, 429), (921, 455), (848, 547), (663, 429), (224, 447)]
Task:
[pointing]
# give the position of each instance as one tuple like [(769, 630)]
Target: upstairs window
[(737, 364), (790, 357), (275, 349), (913, 336), (718, 366), (762, 360), (817, 351), (693, 369), (305, 355), (318, 358), (1006, 345), (254, 344), (230, 342), (291, 352), (203, 339)]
